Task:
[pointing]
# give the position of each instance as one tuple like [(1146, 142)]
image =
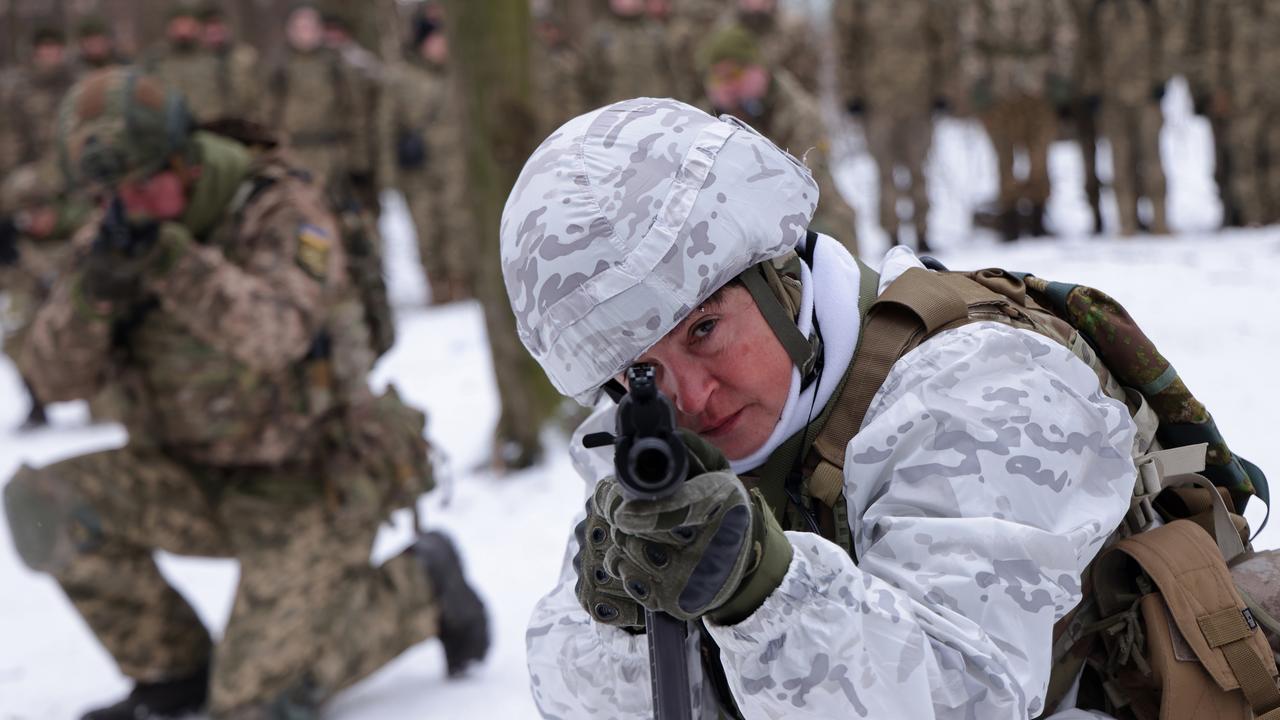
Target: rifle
[(650, 461)]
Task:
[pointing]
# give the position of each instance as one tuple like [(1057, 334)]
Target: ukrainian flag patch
[(314, 244)]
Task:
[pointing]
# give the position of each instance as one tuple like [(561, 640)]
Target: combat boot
[(163, 700), (464, 624), (1035, 225), (36, 418)]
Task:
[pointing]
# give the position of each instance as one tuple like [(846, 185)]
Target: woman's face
[(726, 373)]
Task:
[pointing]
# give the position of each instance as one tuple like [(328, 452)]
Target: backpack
[(1178, 617)]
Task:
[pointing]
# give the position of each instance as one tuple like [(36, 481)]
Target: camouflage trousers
[(901, 141), (1023, 122), (446, 245), (1252, 146), (1134, 134), (311, 614)]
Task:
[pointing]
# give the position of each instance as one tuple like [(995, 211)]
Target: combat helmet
[(119, 122), (628, 218)]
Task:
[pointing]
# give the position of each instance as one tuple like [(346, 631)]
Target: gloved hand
[(710, 549), (8, 242), (856, 106), (411, 151), (111, 269), (1157, 91)]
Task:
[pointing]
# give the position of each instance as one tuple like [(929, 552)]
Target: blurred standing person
[(315, 98), (37, 220), (1019, 54), (1245, 62), (423, 154), (738, 82), (368, 69), (687, 27), (557, 73), (1129, 37), (30, 101), (1193, 47), (213, 288), (235, 64), (96, 46), (1085, 101), (894, 64), (630, 56), (786, 43), (182, 61)]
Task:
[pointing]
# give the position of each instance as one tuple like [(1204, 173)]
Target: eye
[(703, 328)]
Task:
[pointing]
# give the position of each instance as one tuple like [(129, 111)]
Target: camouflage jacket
[(628, 58), (1127, 39), (793, 121), (897, 56), (786, 42), (216, 85), (1017, 46), (30, 100), (421, 101), (558, 85), (244, 333), (1243, 56), (972, 518), (315, 99)]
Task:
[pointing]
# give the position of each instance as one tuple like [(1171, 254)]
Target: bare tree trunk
[(490, 43)]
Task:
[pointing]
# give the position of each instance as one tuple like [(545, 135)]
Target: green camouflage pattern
[(1134, 360)]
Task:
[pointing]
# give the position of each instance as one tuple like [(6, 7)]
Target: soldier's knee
[(47, 531)]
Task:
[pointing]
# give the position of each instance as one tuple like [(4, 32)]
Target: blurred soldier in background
[(370, 74), (769, 99), (1245, 61), (30, 99), (1191, 31), (557, 73), (36, 222), (1128, 37), (786, 43), (214, 289), (425, 157), (1019, 62), (236, 69), (315, 97), (688, 23), (1085, 99), (95, 45), (182, 61), (630, 56), (894, 67)]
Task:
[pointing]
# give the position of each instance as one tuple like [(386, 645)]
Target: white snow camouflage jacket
[(988, 472)]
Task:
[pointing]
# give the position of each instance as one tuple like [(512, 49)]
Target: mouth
[(721, 427)]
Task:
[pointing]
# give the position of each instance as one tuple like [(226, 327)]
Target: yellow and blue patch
[(314, 244)]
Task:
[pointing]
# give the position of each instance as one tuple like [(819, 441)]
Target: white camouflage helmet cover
[(627, 218)]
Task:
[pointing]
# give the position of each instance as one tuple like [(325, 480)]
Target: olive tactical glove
[(710, 549)]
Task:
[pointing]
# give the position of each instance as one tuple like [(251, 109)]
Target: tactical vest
[(1171, 626)]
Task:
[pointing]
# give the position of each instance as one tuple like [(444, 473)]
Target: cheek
[(761, 370)]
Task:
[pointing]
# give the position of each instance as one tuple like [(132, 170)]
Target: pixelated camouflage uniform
[(1018, 61), (1131, 75), (30, 98), (27, 283), (690, 23), (217, 84), (793, 121), (253, 435), (558, 73), (314, 98), (1244, 60), (629, 57), (420, 105), (895, 61)]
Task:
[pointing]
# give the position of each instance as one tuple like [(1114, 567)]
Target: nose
[(689, 382)]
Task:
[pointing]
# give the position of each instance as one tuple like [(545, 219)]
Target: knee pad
[(47, 533)]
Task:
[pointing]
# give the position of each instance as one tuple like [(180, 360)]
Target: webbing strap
[(913, 307), (803, 352), (1230, 631)]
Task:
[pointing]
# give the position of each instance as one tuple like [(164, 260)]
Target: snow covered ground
[(1209, 300)]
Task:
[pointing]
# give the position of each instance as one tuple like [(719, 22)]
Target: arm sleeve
[(989, 472), (66, 351), (266, 311)]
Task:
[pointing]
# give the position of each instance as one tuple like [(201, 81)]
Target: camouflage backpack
[(1179, 616)]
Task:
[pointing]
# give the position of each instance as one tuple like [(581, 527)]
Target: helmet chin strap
[(765, 284)]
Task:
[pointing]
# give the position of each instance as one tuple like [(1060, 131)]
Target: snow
[(1207, 298)]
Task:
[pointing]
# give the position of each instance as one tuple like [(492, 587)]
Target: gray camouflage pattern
[(988, 473), (628, 217)]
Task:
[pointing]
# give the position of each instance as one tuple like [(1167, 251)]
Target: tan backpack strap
[(913, 307)]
